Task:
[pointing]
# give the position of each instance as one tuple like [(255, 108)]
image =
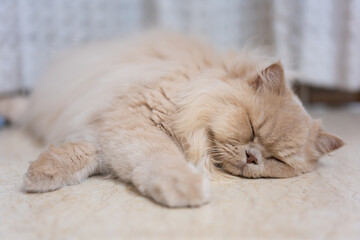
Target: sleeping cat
[(165, 113)]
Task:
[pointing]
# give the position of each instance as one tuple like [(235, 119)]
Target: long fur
[(149, 109)]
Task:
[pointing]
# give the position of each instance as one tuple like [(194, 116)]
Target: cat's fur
[(150, 109)]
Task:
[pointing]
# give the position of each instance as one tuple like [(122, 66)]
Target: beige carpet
[(324, 204)]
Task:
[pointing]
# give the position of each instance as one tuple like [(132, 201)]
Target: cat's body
[(149, 109)]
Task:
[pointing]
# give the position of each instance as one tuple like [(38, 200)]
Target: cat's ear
[(326, 143), (271, 78)]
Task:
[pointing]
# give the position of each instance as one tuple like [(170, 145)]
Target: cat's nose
[(250, 158)]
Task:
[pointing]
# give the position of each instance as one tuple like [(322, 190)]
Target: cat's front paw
[(42, 176), (179, 189), (40, 182)]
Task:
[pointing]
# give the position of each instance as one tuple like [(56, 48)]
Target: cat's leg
[(157, 168), (68, 164)]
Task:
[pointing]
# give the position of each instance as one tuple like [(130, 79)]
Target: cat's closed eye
[(277, 159), (252, 130)]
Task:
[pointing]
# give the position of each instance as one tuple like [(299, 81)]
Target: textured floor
[(324, 204)]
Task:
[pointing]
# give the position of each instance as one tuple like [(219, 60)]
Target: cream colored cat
[(161, 112)]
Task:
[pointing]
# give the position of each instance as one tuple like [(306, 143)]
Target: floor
[(324, 204)]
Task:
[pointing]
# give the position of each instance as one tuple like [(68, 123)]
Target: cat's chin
[(234, 169), (242, 169)]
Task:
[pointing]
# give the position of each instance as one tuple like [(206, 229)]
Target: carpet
[(323, 204)]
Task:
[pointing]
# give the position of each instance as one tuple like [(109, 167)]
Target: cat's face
[(269, 134)]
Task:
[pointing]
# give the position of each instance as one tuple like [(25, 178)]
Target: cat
[(167, 113)]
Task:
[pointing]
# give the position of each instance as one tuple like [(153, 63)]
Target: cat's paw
[(180, 189), (38, 181), (68, 164), (42, 175)]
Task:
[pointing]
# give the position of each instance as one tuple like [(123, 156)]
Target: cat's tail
[(12, 108)]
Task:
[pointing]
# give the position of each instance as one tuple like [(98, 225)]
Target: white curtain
[(319, 40), (228, 24), (32, 30)]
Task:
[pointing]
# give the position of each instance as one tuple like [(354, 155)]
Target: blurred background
[(318, 40)]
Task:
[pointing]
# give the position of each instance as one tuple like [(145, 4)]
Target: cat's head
[(268, 133), (248, 122)]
